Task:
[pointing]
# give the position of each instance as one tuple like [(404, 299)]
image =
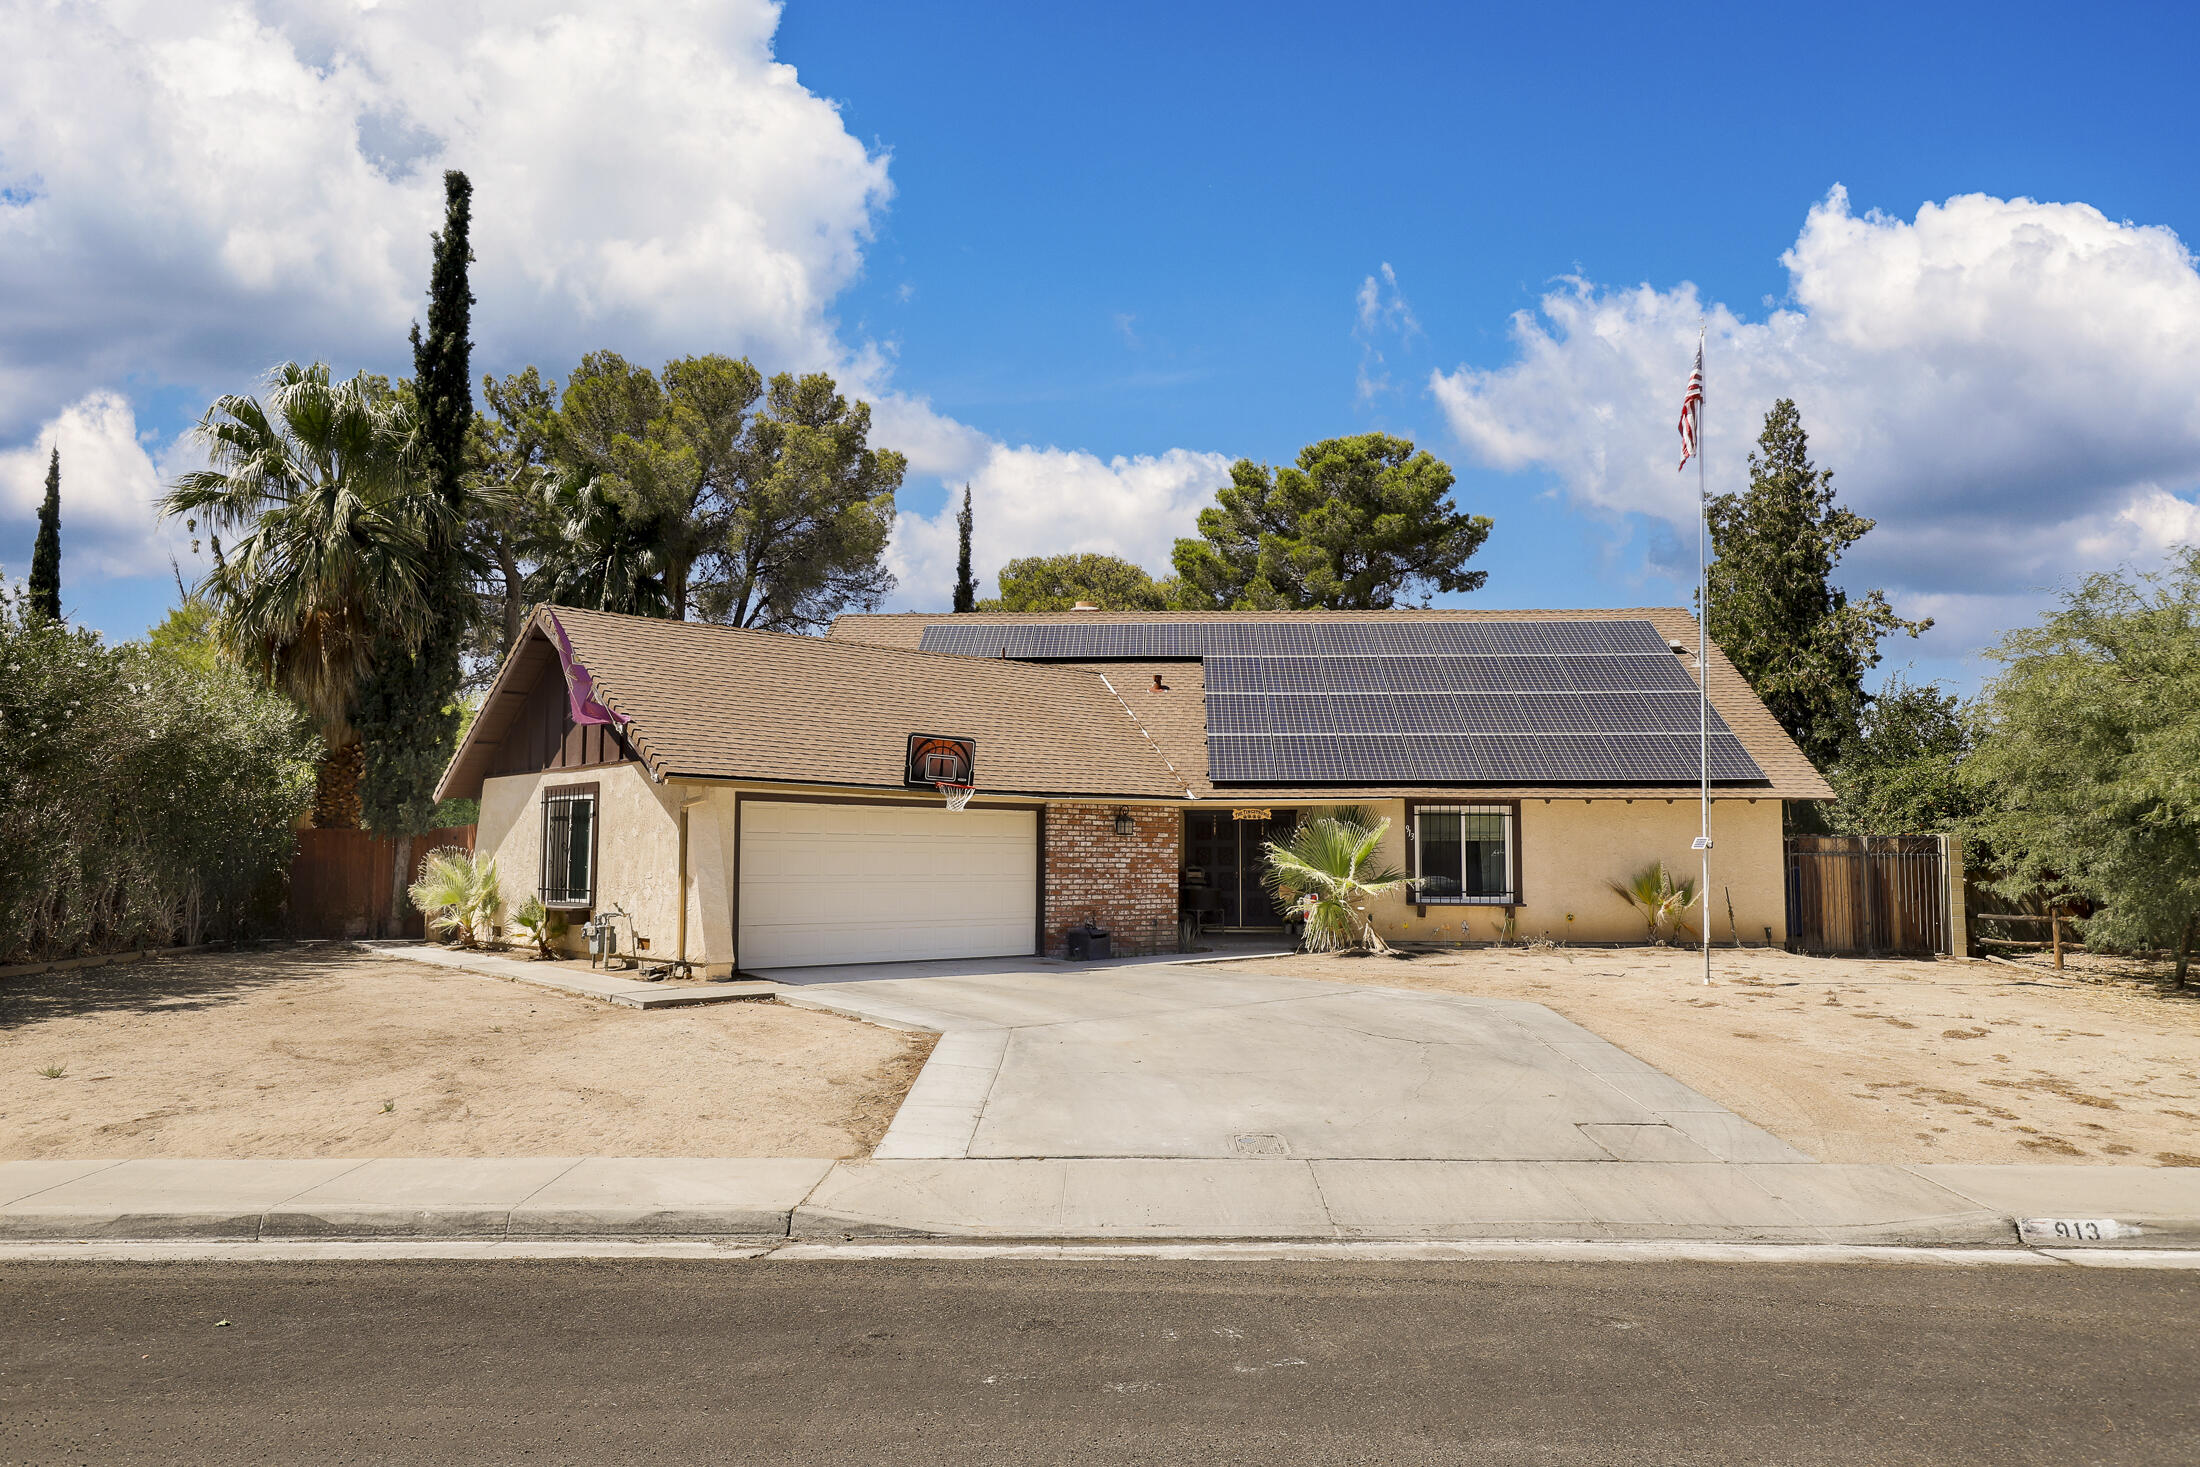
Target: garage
[(847, 882)]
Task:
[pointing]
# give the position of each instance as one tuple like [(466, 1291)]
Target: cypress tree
[(46, 554), (966, 589), (1800, 640), (407, 716)]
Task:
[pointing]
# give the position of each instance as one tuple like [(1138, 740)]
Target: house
[(758, 800)]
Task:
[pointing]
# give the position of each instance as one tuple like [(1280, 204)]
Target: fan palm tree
[(321, 480), (458, 891), (597, 554), (1324, 869), (1662, 902)]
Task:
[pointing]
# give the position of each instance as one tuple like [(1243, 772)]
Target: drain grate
[(1259, 1143)]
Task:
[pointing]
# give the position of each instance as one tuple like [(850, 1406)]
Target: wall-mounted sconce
[(1124, 825)]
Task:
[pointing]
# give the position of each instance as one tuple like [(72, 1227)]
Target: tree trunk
[(2184, 955), (336, 788), (515, 601), (400, 878)]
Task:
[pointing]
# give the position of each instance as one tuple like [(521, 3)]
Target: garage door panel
[(880, 883)]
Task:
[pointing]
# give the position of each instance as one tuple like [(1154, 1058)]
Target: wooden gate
[(340, 880), (1868, 895)]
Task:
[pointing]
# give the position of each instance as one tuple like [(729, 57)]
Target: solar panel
[(1416, 758), (1412, 702), (1317, 714), (1588, 673), (1145, 641)]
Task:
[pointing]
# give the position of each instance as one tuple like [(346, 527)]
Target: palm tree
[(597, 554), (1323, 870), (336, 542), (458, 891), (1661, 901)]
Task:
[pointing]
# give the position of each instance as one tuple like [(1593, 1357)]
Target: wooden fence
[(340, 881), (1869, 895)]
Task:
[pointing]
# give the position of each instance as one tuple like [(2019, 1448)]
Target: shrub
[(1322, 869), (457, 891), (540, 926), (1661, 902), (147, 797)]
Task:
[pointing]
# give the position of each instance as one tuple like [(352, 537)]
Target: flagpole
[(1703, 667)]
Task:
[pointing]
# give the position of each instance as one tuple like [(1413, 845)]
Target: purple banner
[(580, 688)]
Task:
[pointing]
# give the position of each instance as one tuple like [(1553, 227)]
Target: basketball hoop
[(958, 795)]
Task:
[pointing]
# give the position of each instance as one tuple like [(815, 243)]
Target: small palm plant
[(539, 925), (1661, 901), (458, 891), (1323, 869)]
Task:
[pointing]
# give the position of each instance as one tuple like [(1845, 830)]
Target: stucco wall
[(637, 846), (1569, 849)]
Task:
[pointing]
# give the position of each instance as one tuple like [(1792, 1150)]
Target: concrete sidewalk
[(1130, 1199), (603, 985)]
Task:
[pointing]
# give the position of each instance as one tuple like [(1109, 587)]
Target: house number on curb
[(2073, 1229)]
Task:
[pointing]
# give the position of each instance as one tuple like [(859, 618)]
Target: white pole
[(1703, 666)]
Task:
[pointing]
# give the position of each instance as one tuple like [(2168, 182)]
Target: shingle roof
[(710, 701), (1178, 724)]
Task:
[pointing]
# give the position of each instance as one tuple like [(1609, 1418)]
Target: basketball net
[(958, 795)]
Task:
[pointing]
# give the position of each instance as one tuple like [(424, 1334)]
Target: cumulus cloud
[(192, 190), (108, 484), (197, 186), (1052, 501), (2011, 388)]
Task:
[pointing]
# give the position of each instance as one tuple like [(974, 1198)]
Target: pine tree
[(966, 589), (46, 554), (1801, 642), (408, 717)]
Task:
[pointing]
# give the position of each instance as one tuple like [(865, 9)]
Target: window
[(1463, 854), (569, 846)]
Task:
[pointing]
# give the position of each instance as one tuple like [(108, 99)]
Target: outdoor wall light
[(1124, 825)]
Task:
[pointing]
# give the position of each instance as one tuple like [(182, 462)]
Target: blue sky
[(1083, 258)]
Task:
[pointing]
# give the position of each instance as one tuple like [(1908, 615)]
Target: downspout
[(680, 942)]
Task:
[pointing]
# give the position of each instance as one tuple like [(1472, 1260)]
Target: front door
[(1225, 852)]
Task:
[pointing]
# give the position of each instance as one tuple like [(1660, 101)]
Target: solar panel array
[(1147, 641), (1424, 703)]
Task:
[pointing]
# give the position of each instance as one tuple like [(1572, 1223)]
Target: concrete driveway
[(1188, 1060)]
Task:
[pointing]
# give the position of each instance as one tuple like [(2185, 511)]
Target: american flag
[(1691, 405)]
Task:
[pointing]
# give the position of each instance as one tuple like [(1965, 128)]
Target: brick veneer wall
[(1127, 883)]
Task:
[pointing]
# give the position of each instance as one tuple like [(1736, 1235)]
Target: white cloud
[(108, 485), (2011, 388), (1379, 309), (209, 185), (1051, 501), (193, 190)]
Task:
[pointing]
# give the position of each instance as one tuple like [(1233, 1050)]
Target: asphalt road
[(1121, 1361)]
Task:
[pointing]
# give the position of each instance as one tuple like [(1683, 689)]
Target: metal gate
[(1868, 895)]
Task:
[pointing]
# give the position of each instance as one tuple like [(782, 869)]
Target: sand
[(1858, 1061), (330, 1052)]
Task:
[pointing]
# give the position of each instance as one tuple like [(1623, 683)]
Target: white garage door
[(885, 883)]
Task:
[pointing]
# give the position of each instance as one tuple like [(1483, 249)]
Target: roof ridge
[(960, 659), (1585, 612), (1147, 734)]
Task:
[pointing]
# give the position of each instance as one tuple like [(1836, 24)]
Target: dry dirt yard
[(1858, 1061), (330, 1052)]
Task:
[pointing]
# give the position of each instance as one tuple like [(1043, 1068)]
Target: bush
[(1661, 902), (458, 892), (147, 798)]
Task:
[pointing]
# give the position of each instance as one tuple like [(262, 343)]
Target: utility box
[(1087, 942)]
